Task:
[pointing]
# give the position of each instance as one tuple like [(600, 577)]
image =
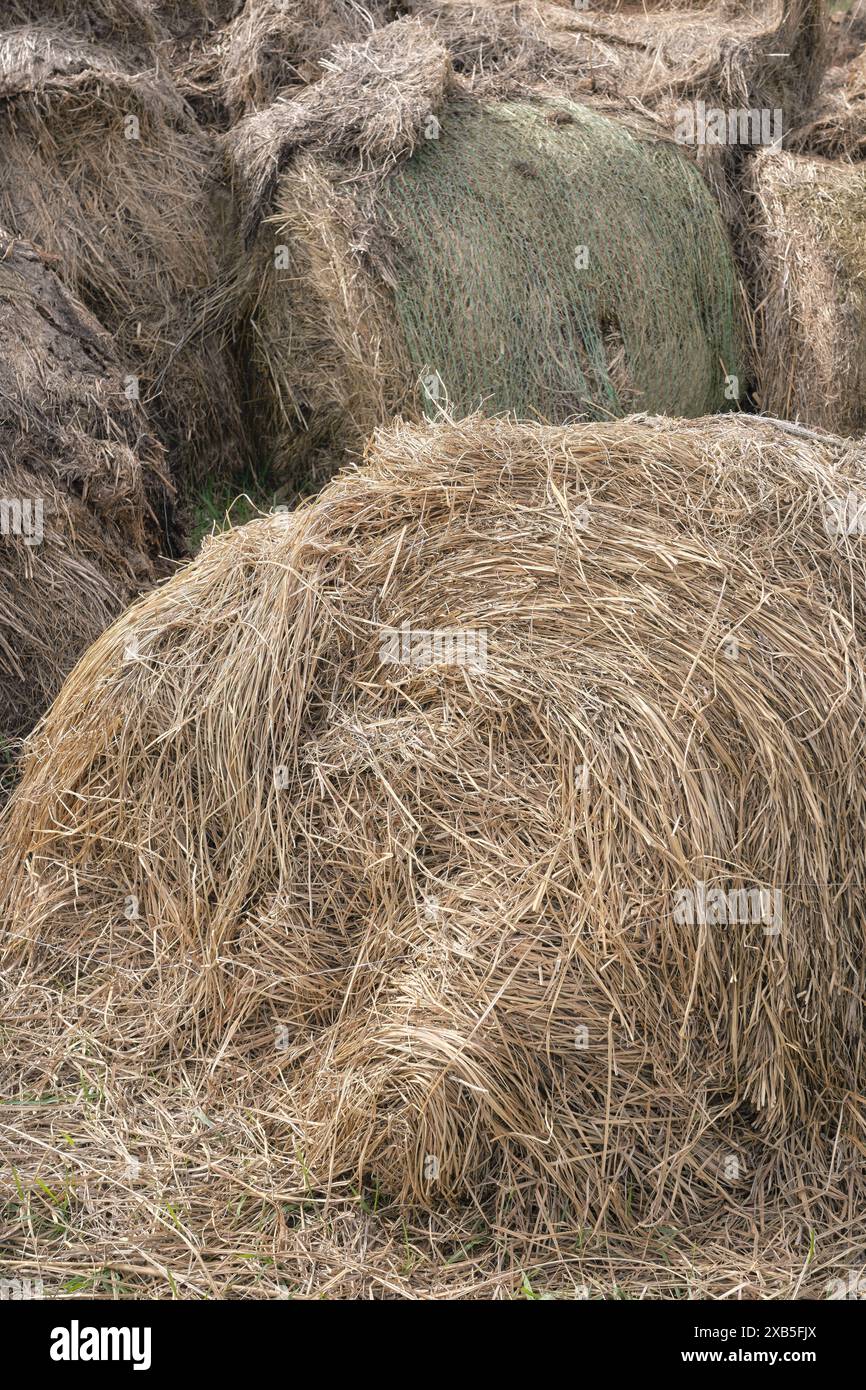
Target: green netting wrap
[(553, 263)]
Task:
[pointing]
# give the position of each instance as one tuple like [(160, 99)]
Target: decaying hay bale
[(488, 830), (809, 242), (83, 488), (104, 167), (426, 249)]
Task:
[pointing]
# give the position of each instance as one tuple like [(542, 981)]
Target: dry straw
[(425, 247), (83, 489), (132, 25), (836, 127), (104, 167), (725, 51), (809, 245), (328, 972), (274, 44)]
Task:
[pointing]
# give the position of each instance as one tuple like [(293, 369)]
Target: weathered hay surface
[(718, 51), (836, 127), (104, 167), (288, 920), (130, 25), (426, 246), (373, 108), (809, 240), (274, 44), (725, 53), (183, 18), (847, 33), (74, 446)]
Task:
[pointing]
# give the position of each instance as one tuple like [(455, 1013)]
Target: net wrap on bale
[(551, 263), (486, 836), (425, 250)]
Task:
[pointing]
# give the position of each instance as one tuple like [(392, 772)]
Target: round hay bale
[(105, 168), (84, 495), (538, 258), (809, 244), (489, 829)]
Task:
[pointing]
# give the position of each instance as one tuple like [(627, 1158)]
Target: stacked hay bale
[(429, 251), (809, 246), (488, 831), (84, 495), (104, 166)]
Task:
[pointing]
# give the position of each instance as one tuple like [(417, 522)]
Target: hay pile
[(104, 166), (847, 33), (809, 242), (307, 935), (83, 491), (428, 249)]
